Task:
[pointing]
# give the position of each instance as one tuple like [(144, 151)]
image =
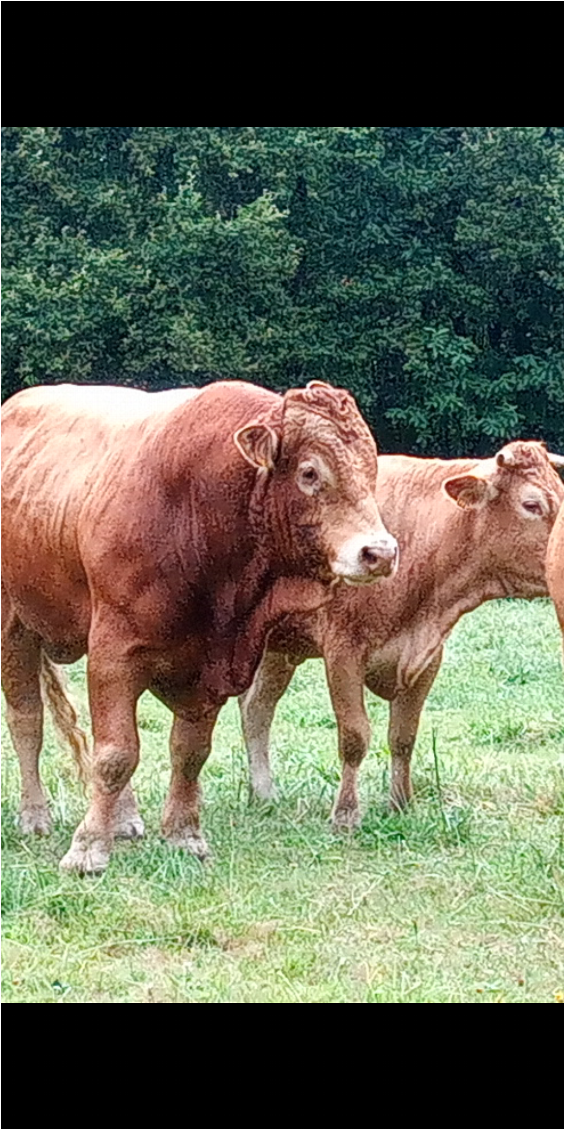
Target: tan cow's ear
[(468, 491), (259, 444)]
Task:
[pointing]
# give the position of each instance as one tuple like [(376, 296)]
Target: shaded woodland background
[(419, 266)]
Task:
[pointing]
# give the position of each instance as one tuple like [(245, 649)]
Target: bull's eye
[(531, 506), (309, 479)]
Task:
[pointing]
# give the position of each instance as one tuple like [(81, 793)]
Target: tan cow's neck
[(446, 570), (440, 577)]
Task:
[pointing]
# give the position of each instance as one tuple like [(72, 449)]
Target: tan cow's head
[(318, 463), (516, 495)]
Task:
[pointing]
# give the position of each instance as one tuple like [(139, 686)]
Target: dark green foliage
[(420, 266)]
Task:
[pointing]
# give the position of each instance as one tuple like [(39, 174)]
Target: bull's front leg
[(405, 711), (346, 680), (257, 708), (113, 687), (191, 739), (128, 823)]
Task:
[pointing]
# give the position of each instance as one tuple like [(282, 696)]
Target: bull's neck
[(218, 505)]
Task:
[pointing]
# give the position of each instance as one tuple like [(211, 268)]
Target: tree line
[(418, 266)]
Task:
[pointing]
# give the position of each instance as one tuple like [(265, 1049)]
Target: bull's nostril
[(379, 557), (369, 556)]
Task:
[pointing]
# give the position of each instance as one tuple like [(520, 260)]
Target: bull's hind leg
[(257, 707), (21, 659), (191, 739), (114, 688)]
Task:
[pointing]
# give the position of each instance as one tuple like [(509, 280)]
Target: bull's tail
[(55, 696)]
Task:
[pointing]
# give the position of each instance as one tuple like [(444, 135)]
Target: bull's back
[(554, 566), (60, 448)]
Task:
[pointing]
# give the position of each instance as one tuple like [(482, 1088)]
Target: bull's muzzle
[(364, 558)]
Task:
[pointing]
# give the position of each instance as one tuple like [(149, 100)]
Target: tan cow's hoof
[(86, 855), (263, 791), (129, 827), (399, 802), (191, 842), (346, 819), (34, 821)]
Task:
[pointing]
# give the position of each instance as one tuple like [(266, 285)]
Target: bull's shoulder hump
[(240, 395)]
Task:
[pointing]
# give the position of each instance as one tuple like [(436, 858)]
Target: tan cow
[(165, 534), (554, 567), (453, 558)]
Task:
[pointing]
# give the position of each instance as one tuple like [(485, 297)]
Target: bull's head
[(320, 461), (516, 495)]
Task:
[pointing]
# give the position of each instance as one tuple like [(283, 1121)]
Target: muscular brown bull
[(165, 534), (554, 567), (453, 558)]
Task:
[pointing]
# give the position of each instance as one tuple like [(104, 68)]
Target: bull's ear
[(468, 491), (259, 444), (505, 458)]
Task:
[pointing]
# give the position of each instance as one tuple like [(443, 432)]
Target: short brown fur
[(134, 529), (452, 559), (554, 567)]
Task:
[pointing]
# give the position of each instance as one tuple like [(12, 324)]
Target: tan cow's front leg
[(113, 691), (191, 739), (405, 711), (257, 708), (346, 680)]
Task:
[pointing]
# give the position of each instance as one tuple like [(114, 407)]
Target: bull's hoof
[(129, 827), (192, 842), (346, 819), (34, 821), (86, 856)]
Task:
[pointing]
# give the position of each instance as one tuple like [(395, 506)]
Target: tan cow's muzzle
[(363, 559)]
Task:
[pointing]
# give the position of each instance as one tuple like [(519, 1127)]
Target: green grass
[(458, 901)]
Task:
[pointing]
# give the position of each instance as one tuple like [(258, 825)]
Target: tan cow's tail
[(55, 695)]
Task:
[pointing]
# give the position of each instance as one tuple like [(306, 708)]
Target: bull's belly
[(54, 607), (294, 640)]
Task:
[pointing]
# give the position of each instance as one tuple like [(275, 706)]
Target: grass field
[(458, 901)]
